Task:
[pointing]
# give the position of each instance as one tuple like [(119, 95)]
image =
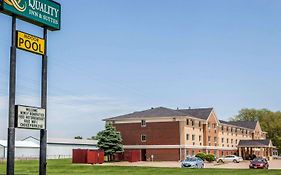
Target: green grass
[(65, 167)]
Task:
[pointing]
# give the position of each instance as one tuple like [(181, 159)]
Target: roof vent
[(152, 107), (178, 108), (189, 107)]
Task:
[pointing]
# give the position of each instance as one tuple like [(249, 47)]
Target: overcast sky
[(114, 57)]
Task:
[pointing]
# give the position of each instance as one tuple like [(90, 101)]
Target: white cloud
[(69, 116)]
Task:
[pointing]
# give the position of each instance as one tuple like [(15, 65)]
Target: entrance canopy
[(249, 149), (255, 144)]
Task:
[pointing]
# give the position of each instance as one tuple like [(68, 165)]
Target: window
[(231, 140), (209, 138), (193, 143), (143, 123), (209, 125), (199, 124), (215, 139), (187, 136), (192, 122), (227, 129), (222, 140), (187, 121), (236, 141), (222, 128), (214, 125), (193, 137), (226, 140), (143, 138), (200, 138)]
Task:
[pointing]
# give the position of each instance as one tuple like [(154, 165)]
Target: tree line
[(270, 122)]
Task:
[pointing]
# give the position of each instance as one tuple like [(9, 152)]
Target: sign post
[(43, 132), (45, 14), (12, 99)]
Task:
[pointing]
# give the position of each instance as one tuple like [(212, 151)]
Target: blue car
[(192, 162)]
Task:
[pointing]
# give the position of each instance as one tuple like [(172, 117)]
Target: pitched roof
[(224, 122), (64, 141), (245, 124), (254, 143), (201, 113), (21, 144), (153, 112)]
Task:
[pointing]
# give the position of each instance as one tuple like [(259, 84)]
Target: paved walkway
[(274, 164)]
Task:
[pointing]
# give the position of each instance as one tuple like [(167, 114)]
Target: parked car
[(276, 157), (192, 162), (259, 163), (230, 158)]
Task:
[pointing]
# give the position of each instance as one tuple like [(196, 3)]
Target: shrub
[(210, 157), (201, 156)]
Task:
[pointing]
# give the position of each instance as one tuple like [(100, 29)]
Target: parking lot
[(274, 164)]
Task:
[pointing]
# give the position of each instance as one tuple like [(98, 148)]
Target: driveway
[(274, 164)]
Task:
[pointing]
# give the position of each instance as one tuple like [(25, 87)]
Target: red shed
[(87, 156)]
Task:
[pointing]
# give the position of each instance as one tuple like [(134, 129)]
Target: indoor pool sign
[(39, 12)]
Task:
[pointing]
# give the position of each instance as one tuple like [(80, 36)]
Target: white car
[(230, 158)]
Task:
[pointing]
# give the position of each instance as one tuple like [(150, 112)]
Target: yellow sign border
[(30, 50)]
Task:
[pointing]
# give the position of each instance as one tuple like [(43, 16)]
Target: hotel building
[(170, 135)]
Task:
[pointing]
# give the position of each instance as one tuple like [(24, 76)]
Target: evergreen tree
[(110, 141)]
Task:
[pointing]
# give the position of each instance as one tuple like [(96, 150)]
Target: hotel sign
[(39, 12), (30, 117), (30, 43)]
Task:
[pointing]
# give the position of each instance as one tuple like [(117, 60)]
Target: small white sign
[(30, 117)]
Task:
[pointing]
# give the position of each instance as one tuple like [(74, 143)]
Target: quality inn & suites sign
[(39, 12)]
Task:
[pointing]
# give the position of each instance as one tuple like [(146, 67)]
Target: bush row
[(206, 157)]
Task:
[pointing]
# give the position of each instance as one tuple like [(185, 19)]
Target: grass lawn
[(65, 167)]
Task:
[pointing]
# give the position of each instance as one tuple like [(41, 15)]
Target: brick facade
[(163, 154), (160, 133)]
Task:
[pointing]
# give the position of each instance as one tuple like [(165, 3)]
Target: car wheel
[(202, 166), (235, 161), (220, 161)]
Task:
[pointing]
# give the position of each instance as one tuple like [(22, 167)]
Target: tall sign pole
[(12, 99), (43, 132), (46, 14)]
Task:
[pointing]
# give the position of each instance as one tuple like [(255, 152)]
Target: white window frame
[(143, 123), (143, 135)]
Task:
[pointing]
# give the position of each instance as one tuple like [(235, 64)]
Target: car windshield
[(191, 159), (258, 160)]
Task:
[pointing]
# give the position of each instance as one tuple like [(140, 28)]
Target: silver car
[(192, 162), (230, 158)]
